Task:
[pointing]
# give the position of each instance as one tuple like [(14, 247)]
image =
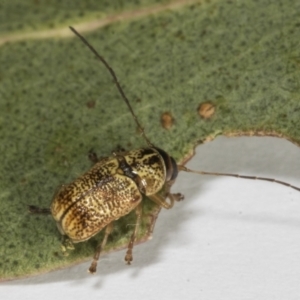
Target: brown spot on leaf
[(166, 120), (91, 104), (206, 110)]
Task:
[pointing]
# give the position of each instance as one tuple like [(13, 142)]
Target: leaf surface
[(57, 102)]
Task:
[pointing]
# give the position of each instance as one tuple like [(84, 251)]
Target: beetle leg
[(119, 150), (173, 197), (161, 200), (139, 212), (66, 245), (39, 210), (108, 230), (93, 156)]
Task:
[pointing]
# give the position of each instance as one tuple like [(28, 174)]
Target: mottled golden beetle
[(111, 189), (115, 186)]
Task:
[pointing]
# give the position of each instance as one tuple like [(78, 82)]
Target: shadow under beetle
[(115, 186)]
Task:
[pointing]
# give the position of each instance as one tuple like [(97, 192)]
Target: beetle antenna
[(111, 71), (183, 168)]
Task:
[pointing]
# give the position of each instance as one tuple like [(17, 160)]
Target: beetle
[(115, 186)]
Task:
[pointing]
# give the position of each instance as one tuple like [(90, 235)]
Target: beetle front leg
[(93, 267), (173, 197), (161, 199), (139, 212)]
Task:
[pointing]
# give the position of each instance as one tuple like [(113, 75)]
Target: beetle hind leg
[(128, 256), (93, 267)]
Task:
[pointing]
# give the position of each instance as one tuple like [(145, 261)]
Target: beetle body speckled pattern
[(111, 189)]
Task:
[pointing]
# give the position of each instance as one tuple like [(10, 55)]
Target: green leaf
[(58, 102), (45, 14)]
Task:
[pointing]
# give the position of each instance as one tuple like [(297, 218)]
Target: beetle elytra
[(115, 186)]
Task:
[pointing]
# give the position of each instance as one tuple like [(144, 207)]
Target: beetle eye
[(170, 163), (174, 171)]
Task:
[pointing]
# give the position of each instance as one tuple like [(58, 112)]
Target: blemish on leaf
[(91, 104), (166, 120), (206, 110)]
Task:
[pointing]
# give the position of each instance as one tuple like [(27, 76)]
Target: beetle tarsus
[(93, 268), (128, 257), (177, 196)]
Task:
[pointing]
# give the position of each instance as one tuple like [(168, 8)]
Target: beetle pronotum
[(115, 186)]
